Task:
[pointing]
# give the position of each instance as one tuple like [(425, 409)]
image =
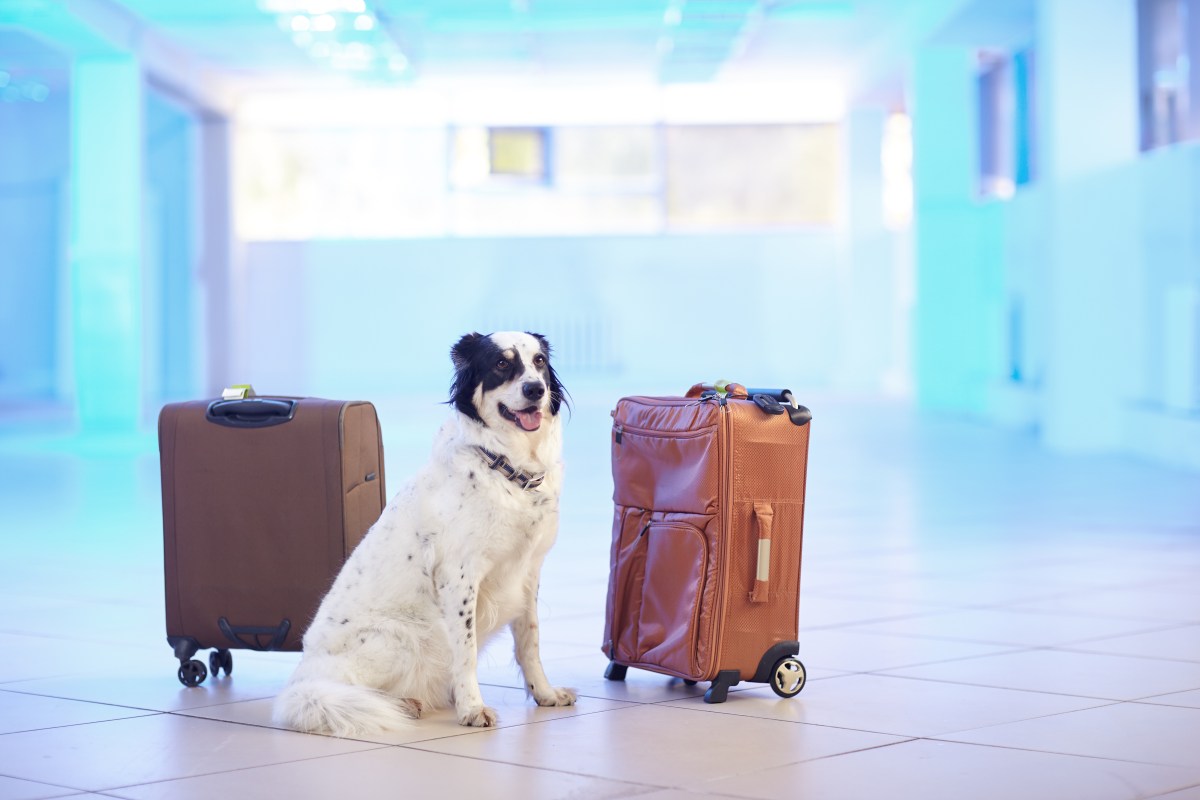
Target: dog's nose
[(533, 390)]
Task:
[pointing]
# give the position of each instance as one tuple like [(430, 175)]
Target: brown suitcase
[(709, 513), (263, 500)]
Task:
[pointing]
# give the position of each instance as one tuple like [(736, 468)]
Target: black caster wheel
[(220, 660), (787, 679), (689, 682), (192, 673), (615, 671)]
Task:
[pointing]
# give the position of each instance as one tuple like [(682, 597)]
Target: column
[(866, 279), (952, 312), (106, 241), (1087, 134)]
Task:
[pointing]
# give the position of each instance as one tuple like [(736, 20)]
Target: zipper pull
[(617, 431)]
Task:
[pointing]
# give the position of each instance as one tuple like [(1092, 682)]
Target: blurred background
[(984, 208)]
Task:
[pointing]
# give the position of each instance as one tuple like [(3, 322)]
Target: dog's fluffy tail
[(320, 705)]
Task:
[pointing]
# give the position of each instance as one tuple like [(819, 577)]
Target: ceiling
[(310, 43), (407, 40)]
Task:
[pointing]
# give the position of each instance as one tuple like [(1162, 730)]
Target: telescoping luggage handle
[(251, 412), (772, 401)]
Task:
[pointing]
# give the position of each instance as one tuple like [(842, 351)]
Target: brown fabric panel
[(667, 456), (770, 464), (257, 513), (167, 421), (751, 628), (625, 585), (770, 455), (362, 474)]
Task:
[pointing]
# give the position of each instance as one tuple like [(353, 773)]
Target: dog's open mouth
[(529, 419)]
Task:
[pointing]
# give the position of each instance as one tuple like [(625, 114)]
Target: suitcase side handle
[(764, 516), (252, 412), (238, 634)]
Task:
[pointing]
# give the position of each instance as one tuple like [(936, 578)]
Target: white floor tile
[(512, 706), (896, 706), (27, 712), (854, 650), (823, 611), (1175, 644), (386, 774), (586, 675), (1010, 627), (1065, 672), (154, 685), (15, 789), (106, 755), (928, 770), (1173, 602), (1124, 732), (669, 747), (1183, 699)]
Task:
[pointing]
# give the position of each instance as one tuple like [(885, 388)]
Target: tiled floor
[(980, 619)]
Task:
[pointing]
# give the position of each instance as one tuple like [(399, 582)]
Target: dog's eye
[(502, 364), (539, 361)]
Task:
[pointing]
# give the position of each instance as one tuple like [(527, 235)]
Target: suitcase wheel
[(192, 673), (615, 671), (220, 660), (787, 678), (689, 682)]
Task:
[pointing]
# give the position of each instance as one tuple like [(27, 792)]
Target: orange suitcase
[(263, 499), (704, 575)]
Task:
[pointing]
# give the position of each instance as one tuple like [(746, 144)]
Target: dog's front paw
[(478, 717), (556, 697)]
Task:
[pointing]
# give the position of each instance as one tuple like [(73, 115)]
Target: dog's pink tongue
[(530, 420)]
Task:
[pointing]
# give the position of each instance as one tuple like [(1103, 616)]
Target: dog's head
[(505, 379)]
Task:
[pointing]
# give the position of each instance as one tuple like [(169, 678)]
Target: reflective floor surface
[(979, 619)]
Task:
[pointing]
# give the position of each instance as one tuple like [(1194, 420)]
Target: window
[(388, 179), (896, 155), (519, 153), (750, 175), (1006, 122), (1168, 71), (321, 183), (996, 114), (490, 155)]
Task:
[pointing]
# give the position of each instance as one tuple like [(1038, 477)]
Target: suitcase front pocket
[(676, 563)]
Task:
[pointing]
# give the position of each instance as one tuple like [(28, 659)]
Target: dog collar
[(497, 461)]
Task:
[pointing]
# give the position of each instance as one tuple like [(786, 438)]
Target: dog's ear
[(558, 393), (462, 390), (462, 352)]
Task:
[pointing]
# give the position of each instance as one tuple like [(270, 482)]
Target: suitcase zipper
[(724, 493)]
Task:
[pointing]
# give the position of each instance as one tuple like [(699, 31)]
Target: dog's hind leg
[(527, 647)]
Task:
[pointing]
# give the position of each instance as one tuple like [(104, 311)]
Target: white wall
[(1144, 250), (627, 313)]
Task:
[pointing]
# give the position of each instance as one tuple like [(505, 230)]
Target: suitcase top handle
[(772, 401), (253, 412), (734, 391)]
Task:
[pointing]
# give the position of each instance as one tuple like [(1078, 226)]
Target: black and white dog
[(456, 555)]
